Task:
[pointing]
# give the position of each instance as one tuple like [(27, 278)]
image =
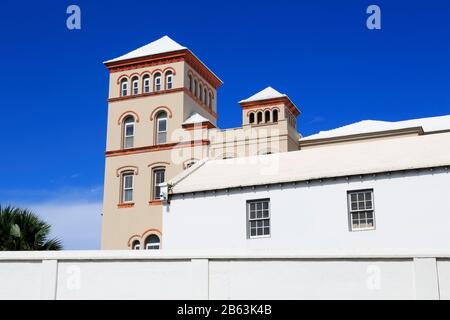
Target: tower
[(152, 91)]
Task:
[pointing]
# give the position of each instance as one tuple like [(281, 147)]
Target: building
[(162, 118), (369, 186)]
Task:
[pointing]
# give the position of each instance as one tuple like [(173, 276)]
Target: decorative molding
[(158, 109), (158, 163), (126, 113), (146, 94), (160, 147), (122, 169), (125, 205), (141, 236), (264, 103), (196, 126)]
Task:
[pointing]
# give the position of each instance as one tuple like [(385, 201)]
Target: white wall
[(412, 211), (223, 275)]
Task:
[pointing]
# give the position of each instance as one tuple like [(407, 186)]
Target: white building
[(368, 186)]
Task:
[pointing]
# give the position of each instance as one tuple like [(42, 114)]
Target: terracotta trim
[(158, 109), (266, 102), (166, 58), (142, 95), (140, 236), (195, 126), (155, 202), (119, 80), (125, 205), (126, 113), (160, 147), (133, 238), (158, 163), (169, 69)]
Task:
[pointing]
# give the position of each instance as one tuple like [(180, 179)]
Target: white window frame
[(124, 188), (169, 80), (126, 136), (364, 210), (124, 88), (157, 184), (249, 219), (135, 86), (157, 80), (158, 131), (146, 84), (153, 246)]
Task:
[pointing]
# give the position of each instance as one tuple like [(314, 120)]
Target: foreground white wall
[(412, 212), (227, 275)]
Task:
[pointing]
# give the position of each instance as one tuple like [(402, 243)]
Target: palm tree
[(21, 229)]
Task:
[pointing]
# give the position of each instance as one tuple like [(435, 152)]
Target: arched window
[(190, 82), (210, 100), (135, 85), (152, 242), (267, 116), (169, 80), (259, 117), (136, 245), (124, 87), (127, 187), (275, 115), (157, 82), (161, 127), (146, 83), (200, 92), (251, 118), (128, 132), (195, 87), (159, 176), (205, 96)]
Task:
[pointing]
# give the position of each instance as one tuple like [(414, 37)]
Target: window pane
[(162, 137), (162, 125), (128, 181), (360, 196), (354, 206), (128, 142), (266, 231), (128, 195), (252, 206), (129, 130), (368, 204), (253, 232), (259, 205), (252, 215), (353, 197), (265, 205)]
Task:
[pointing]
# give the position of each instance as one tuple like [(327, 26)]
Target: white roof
[(267, 93), (372, 156), (195, 118), (367, 126), (162, 45)]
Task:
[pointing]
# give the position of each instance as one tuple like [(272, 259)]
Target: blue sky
[(54, 86)]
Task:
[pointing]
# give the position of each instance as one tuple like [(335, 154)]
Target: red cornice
[(165, 58), (267, 102), (148, 94), (201, 125), (159, 147)]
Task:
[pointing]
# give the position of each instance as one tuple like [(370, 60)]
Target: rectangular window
[(162, 131), (127, 192), (147, 85), (129, 135), (361, 210), (158, 177), (258, 218)]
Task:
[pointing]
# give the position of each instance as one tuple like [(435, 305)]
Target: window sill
[(125, 205), (156, 202)]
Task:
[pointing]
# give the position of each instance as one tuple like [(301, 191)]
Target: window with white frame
[(128, 132), (169, 80), (159, 176), (361, 210), (157, 80), (124, 87), (152, 242), (136, 245), (146, 84), (127, 187), (161, 128), (258, 218), (135, 84)]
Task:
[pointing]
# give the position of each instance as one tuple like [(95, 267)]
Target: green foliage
[(21, 229)]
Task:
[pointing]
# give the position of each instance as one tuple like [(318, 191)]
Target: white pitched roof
[(372, 156), (195, 118), (267, 93), (367, 126), (162, 45)]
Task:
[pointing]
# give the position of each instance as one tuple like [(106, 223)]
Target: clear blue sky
[(54, 85)]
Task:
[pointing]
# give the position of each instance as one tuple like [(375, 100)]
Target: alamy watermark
[(73, 21), (374, 20)]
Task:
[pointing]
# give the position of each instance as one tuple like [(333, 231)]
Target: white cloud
[(77, 224)]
